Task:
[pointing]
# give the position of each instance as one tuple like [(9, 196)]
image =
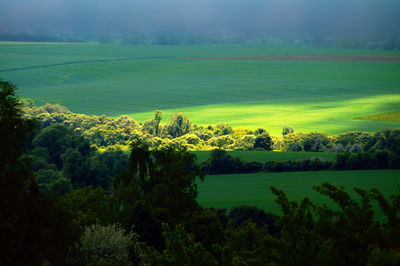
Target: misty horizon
[(247, 19)]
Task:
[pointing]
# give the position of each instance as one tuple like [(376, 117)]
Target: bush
[(106, 245)]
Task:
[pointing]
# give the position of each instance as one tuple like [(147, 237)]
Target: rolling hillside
[(310, 95)]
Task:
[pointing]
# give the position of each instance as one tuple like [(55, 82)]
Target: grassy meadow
[(324, 96), (226, 191), (263, 156)]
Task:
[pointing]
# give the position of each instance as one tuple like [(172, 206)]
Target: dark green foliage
[(298, 240), (251, 167), (180, 249), (32, 228), (75, 166), (248, 244), (313, 164), (13, 129), (388, 139), (61, 185), (159, 186), (167, 176), (220, 162), (375, 159), (40, 232), (263, 142), (259, 131), (238, 215), (352, 138), (104, 166), (379, 257), (313, 234), (315, 141), (86, 206), (57, 139), (206, 227), (287, 130), (222, 129), (64, 153), (51, 180)]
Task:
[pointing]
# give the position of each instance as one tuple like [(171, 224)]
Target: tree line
[(220, 162), (104, 132)]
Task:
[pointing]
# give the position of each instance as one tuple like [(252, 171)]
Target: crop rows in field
[(321, 96)]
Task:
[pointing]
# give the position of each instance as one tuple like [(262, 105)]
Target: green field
[(391, 117), (263, 156), (226, 191), (322, 96)]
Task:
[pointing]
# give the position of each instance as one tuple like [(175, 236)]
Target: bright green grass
[(331, 114), (263, 156), (136, 80), (226, 191)]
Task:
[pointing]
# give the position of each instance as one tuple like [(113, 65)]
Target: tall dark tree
[(13, 129), (166, 177), (32, 228), (159, 186), (263, 142)]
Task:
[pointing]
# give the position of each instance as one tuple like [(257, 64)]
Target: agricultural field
[(391, 117), (247, 86), (263, 156), (226, 191)]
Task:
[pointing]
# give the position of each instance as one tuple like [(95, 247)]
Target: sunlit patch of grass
[(330, 117)]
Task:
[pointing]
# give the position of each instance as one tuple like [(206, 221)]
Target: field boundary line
[(85, 62), (341, 58)]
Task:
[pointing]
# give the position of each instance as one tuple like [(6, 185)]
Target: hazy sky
[(247, 18)]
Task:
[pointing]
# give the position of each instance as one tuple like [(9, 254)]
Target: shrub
[(106, 245)]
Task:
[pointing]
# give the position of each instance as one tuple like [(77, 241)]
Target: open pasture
[(263, 156), (226, 191), (309, 95)]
